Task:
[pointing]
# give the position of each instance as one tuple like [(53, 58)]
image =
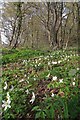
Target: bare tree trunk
[(56, 10), (61, 14), (37, 38), (18, 25), (78, 25), (48, 25), (12, 37), (32, 45)]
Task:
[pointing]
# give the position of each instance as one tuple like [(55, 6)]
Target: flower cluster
[(6, 104)]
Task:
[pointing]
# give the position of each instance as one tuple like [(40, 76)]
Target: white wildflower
[(24, 61), (39, 58), (33, 62), (34, 78), (8, 96), (39, 64), (65, 58), (33, 98), (6, 104), (49, 63), (25, 75), (59, 61), (8, 101), (36, 61), (16, 76), (5, 86), (45, 58), (27, 91), (54, 62), (77, 68), (21, 80), (74, 79), (52, 95), (73, 83), (60, 80), (54, 78), (35, 65)]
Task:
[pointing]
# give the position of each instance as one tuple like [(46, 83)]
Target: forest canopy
[(40, 24)]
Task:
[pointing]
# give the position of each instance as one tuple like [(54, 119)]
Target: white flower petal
[(61, 80), (52, 95), (54, 63), (27, 91), (54, 78), (73, 83), (21, 80), (5, 86), (33, 98)]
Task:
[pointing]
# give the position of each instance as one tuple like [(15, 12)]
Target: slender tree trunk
[(12, 37), (78, 26), (18, 24), (32, 45), (37, 38), (61, 14), (48, 25)]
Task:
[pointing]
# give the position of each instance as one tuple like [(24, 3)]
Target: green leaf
[(43, 115), (52, 112), (66, 110), (36, 108), (38, 114)]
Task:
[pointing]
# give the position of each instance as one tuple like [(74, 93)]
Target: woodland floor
[(41, 85)]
